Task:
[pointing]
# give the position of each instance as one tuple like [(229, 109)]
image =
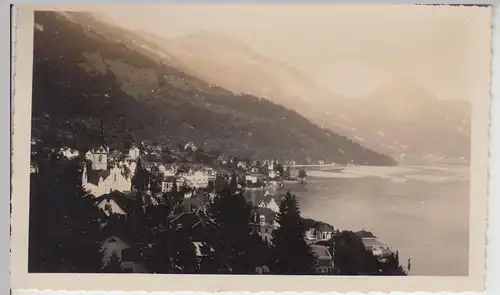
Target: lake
[(421, 211)]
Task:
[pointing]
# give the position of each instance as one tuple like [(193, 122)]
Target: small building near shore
[(255, 178)]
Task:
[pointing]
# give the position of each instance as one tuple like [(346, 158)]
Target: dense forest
[(86, 71)]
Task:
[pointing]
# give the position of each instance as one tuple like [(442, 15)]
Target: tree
[(114, 265), (230, 232), (184, 253), (155, 181), (391, 266), (210, 187), (174, 251), (141, 178), (286, 173), (280, 168), (291, 253), (351, 256), (64, 222), (233, 183)]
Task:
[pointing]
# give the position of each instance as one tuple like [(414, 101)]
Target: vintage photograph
[(299, 140)]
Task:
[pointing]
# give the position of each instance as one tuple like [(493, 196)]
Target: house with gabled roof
[(100, 182), (113, 203), (129, 257), (263, 222), (323, 262)]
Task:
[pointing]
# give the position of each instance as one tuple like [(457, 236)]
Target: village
[(107, 176)]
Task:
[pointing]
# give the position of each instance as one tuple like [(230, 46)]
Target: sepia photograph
[(325, 142)]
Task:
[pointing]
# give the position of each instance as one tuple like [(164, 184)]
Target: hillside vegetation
[(86, 71)]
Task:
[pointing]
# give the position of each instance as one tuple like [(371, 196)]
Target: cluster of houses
[(107, 176), (107, 171)]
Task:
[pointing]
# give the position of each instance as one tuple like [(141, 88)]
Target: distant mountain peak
[(402, 90)]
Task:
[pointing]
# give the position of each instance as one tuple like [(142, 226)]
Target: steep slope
[(230, 63), (381, 121), (86, 70)]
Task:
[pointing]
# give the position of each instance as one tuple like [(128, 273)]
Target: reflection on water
[(423, 212)]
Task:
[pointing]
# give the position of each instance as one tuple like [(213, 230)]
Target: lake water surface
[(421, 211)]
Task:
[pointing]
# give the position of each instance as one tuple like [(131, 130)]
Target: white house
[(242, 165), (322, 232), (198, 179), (273, 174), (167, 184), (378, 248), (270, 205), (254, 178), (168, 171), (69, 153), (134, 153)]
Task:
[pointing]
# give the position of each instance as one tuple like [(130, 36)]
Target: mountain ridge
[(86, 71), (400, 102)]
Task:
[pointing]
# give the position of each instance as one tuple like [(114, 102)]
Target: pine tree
[(141, 178), (231, 230), (233, 183), (291, 253)]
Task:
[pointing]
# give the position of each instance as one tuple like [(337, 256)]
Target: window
[(114, 178)]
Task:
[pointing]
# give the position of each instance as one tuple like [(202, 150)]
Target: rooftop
[(372, 242), (320, 251)]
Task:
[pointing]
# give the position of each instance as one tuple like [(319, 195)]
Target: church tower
[(99, 156)]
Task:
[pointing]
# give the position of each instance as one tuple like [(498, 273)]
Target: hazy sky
[(350, 49)]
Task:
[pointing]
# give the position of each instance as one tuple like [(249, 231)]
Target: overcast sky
[(350, 49)]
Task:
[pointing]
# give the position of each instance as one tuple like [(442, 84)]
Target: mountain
[(230, 63), (405, 120), (86, 72), (400, 119)]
